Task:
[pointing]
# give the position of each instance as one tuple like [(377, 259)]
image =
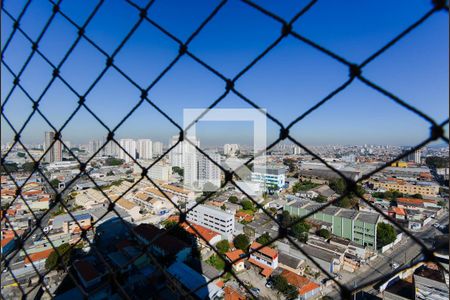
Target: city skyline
[(358, 115)]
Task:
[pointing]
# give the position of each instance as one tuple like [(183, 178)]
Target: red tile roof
[(234, 255), (265, 250), (415, 201), (266, 271), (203, 233), (398, 211), (303, 284), (232, 294), (38, 256), (168, 243)]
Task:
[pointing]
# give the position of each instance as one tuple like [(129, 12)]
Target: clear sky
[(288, 81)]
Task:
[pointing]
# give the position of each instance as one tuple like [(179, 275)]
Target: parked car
[(255, 291), (394, 265)]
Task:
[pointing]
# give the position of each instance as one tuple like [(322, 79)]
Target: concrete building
[(212, 218), (95, 145), (356, 226), (160, 172), (207, 170), (424, 188), (129, 145), (430, 284), (144, 148), (269, 178), (55, 152), (157, 149), (230, 149), (415, 157)]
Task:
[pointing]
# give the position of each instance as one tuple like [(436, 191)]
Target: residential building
[(144, 148), (418, 187), (95, 145), (430, 284), (265, 258), (307, 289), (157, 149), (128, 151), (356, 226), (55, 152), (212, 218), (296, 150), (73, 225), (208, 172), (230, 149), (415, 156), (234, 256), (270, 178), (160, 171)]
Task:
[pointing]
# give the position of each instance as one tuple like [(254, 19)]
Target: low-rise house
[(38, 258), (290, 263), (307, 289), (235, 256), (203, 235), (265, 258), (161, 243), (87, 273)]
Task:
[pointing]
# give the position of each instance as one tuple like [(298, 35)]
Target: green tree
[(20, 154), (242, 242), (320, 199), (111, 161), (233, 199), (178, 171), (324, 233), (247, 205), (28, 166), (417, 196), (9, 167), (385, 234), (338, 185), (280, 283), (437, 162), (286, 219), (264, 238), (55, 183), (54, 260), (300, 231), (303, 186), (223, 246), (216, 261)]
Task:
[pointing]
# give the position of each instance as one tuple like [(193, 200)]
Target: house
[(243, 216), (194, 281), (238, 265), (162, 244), (37, 258), (307, 289), (264, 258), (398, 213), (290, 263), (202, 234), (72, 225), (87, 273)]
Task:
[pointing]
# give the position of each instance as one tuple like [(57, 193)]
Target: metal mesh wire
[(286, 29)]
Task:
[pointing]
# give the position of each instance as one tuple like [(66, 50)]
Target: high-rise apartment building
[(95, 145), (128, 145), (157, 149), (144, 148), (296, 150), (55, 152), (111, 149), (230, 149), (416, 156), (207, 170)]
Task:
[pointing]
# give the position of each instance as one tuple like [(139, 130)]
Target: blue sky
[(287, 82)]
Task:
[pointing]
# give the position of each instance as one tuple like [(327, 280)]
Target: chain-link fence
[(115, 278)]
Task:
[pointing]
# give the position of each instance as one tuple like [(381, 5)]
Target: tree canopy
[(242, 242), (324, 233), (233, 199), (264, 238), (385, 234), (53, 261), (223, 246)]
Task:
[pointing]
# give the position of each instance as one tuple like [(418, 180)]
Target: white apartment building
[(416, 156), (129, 145), (157, 149), (160, 172), (270, 178), (212, 218), (111, 149), (94, 145), (207, 170), (296, 150), (144, 148), (230, 149)]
